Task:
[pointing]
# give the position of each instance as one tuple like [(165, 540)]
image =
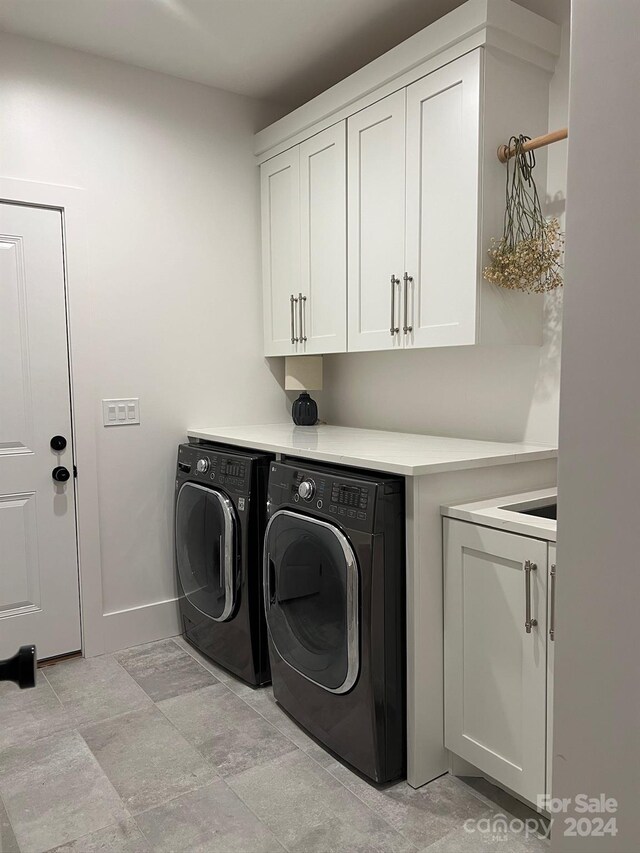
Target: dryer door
[(206, 550), (311, 586)]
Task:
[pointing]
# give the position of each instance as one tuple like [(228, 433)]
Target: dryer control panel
[(346, 499)]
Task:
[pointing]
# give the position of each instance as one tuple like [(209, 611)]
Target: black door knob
[(60, 474), (58, 443)]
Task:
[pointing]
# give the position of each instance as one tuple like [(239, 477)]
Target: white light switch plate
[(121, 412)]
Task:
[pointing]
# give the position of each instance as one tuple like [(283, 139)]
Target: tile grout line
[(300, 749), (257, 816), (191, 652), (328, 772), (52, 688), (371, 809), (331, 776), (209, 763), (93, 831), (130, 814), (219, 778), (487, 801), (13, 830)]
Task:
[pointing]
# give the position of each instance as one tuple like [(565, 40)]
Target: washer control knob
[(202, 466), (307, 489)]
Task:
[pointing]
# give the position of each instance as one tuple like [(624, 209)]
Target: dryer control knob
[(202, 466), (307, 489)]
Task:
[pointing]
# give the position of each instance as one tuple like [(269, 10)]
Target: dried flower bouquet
[(529, 255)]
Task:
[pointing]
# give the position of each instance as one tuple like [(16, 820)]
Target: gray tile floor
[(156, 749)]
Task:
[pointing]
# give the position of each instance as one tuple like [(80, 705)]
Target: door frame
[(83, 392)]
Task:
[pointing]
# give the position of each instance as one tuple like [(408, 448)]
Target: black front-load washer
[(334, 580), (220, 517)]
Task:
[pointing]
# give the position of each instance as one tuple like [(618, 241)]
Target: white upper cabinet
[(443, 184), (323, 217), (280, 190), (419, 178), (304, 237), (376, 201)]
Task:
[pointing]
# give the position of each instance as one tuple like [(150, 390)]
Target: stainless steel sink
[(541, 509)]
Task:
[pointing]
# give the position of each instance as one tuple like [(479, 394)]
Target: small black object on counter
[(305, 410)]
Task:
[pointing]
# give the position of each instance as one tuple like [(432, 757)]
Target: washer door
[(311, 590), (206, 550)]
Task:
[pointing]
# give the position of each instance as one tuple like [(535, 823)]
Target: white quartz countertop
[(496, 513), (392, 452)]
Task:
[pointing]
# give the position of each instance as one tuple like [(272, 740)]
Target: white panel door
[(39, 600), (443, 145), (280, 195), (323, 218), (495, 672), (376, 181), (551, 646)]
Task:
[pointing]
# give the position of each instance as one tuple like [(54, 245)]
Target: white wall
[(171, 204), (596, 742), (478, 392)]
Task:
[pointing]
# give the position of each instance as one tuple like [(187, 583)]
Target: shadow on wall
[(276, 366), (491, 393)]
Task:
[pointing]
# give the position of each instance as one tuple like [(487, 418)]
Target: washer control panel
[(343, 499), (215, 468)]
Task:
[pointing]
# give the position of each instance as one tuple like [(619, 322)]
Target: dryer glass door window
[(206, 550), (311, 596)]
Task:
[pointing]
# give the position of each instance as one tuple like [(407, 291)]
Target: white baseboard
[(137, 625)]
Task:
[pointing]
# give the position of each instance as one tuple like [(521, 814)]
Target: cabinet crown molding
[(499, 24)]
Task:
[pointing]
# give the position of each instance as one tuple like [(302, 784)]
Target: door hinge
[(75, 470)]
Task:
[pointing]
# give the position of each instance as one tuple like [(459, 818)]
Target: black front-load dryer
[(220, 520), (334, 579)]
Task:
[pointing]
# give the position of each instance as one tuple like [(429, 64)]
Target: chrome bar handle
[(552, 603), (394, 329), (406, 327), (529, 623), (301, 300), (292, 301)]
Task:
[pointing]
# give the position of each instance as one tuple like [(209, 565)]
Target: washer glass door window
[(311, 596), (206, 551)]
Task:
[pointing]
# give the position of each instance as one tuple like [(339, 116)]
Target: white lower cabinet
[(551, 635), (496, 654)]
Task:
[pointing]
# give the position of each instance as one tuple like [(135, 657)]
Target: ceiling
[(282, 50)]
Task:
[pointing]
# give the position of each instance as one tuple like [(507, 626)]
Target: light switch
[(121, 412)]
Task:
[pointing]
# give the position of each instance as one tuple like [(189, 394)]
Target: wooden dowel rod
[(504, 152)]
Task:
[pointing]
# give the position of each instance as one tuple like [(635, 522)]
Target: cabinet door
[(323, 216), (376, 157), (551, 645), (280, 197), (443, 163), (495, 672)]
